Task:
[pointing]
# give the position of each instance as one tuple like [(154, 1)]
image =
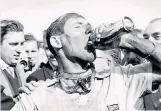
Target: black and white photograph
[(80, 55)]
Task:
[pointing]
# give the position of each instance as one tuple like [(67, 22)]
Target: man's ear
[(55, 41)]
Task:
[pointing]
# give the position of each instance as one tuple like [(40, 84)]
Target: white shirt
[(130, 84), (124, 87), (5, 66)]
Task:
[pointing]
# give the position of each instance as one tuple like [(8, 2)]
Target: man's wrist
[(150, 53)]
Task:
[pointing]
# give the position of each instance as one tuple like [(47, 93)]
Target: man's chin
[(14, 63)]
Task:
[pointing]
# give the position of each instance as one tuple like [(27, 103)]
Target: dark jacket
[(9, 90), (46, 72), (6, 101), (152, 100)]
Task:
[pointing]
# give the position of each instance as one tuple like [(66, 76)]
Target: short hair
[(30, 37), (116, 55), (10, 26), (57, 28)]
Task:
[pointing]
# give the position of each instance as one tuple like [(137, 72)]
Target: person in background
[(42, 56), (11, 76), (153, 33), (48, 70), (30, 54)]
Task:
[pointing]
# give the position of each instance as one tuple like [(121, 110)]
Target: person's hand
[(29, 87), (41, 94), (109, 35), (124, 42), (32, 86)]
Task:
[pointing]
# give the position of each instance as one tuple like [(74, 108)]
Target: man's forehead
[(14, 36), (74, 20), (153, 27), (30, 44)]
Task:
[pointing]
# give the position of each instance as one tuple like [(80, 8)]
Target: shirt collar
[(3, 65)]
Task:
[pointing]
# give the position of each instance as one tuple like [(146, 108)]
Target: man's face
[(31, 51), (11, 47), (153, 32), (50, 56), (132, 58), (103, 62), (77, 32)]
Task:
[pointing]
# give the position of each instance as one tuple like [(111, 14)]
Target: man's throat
[(80, 83)]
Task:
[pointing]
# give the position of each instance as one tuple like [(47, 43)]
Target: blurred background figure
[(11, 72), (47, 70), (131, 57), (30, 56), (51, 59), (42, 55), (153, 33)]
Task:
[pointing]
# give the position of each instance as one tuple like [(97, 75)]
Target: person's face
[(132, 58), (103, 62), (153, 32), (11, 47), (50, 56), (31, 50), (77, 32)]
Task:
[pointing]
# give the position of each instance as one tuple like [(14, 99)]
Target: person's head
[(48, 53), (67, 38), (31, 48), (115, 54), (153, 31), (12, 38), (104, 62)]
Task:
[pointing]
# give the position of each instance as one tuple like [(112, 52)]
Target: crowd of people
[(72, 76)]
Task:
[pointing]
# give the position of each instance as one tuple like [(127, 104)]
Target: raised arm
[(143, 47)]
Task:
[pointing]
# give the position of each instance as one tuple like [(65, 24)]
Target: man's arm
[(143, 47), (146, 49)]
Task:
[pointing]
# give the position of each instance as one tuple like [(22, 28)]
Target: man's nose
[(152, 39), (19, 49), (29, 55)]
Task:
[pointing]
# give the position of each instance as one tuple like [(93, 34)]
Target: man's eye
[(146, 36), (33, 51), (157, 37), (77, 26), (13, 44)]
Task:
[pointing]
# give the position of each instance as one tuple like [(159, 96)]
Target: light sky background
[(36, 15)]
